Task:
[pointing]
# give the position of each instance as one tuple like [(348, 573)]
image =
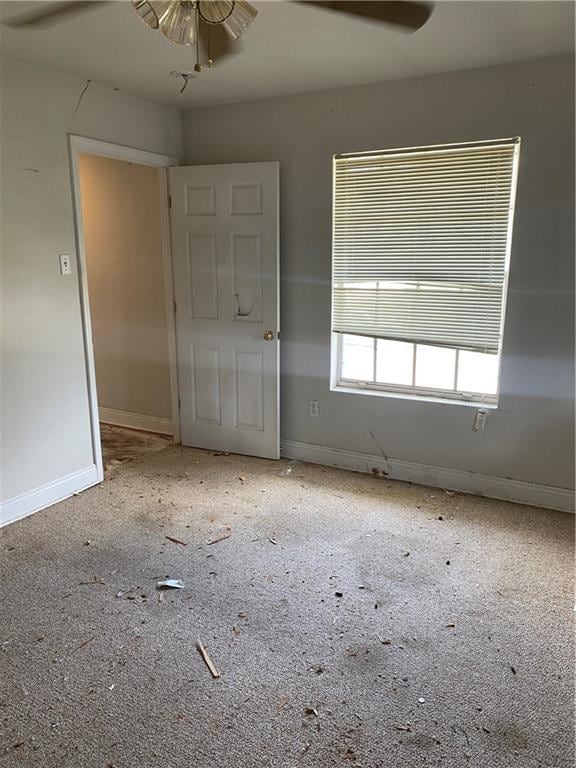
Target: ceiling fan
[(212, 26)]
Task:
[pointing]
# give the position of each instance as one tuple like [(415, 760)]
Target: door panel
[(249, 396), (247, 270), (206, 396), (202, 276), (225, 253)]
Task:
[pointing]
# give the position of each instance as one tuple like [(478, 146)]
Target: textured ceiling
[(290, 48)]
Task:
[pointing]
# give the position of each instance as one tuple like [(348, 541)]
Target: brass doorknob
[(269, 335)]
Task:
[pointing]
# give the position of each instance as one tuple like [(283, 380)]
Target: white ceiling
[(290, 48)]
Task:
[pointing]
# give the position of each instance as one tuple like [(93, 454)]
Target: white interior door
[(226, 284)]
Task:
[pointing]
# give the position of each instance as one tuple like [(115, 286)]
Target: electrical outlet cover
[(480, 420), (65, 264)]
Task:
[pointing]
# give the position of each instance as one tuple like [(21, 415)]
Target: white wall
[(45, 413), (530, 437), (123, 242)]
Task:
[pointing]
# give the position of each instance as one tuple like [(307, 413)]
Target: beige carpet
[(354, 622)]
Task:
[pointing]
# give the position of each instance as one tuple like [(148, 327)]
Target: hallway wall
[(123, 240)]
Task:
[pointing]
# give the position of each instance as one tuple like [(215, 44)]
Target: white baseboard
[(136, 421), (517, 491), (33, 501)]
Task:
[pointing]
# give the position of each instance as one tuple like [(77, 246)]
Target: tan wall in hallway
[(120, 208)]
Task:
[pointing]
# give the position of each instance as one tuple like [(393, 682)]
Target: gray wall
[(44, 409), (529, 437)]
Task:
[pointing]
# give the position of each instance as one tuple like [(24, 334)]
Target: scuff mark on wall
[(378, 444), (83, 92)]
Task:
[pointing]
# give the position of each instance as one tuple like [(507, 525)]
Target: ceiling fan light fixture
[(183, 21), (179, 22), (215, 11), (240, 19), (146, 13)]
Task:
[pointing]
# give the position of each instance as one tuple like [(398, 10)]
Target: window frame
[(425, 394), (361, 386)]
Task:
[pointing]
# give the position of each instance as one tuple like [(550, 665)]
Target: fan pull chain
[(209, 59), (197, 66)]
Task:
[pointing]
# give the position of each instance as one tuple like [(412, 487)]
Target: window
[(421, 246)]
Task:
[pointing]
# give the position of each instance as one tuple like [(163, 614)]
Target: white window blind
[(421, 243)]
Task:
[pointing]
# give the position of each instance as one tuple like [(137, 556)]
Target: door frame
[(82, 144)]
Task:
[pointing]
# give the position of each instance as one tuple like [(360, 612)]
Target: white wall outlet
[(313, 408), (480, 420), (65, 264)]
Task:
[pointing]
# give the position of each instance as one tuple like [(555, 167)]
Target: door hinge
[(175, 310), (179, 404), (169, 201)]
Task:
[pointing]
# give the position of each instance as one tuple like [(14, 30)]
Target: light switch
[(65, 264)]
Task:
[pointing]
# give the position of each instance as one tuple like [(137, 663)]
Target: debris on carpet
[(207, 660), (170, 584)]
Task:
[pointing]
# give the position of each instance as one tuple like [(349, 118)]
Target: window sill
[(437, 400)]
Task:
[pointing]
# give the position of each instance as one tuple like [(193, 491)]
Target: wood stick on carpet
[(207, 659)]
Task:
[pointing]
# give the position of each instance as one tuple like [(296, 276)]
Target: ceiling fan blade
[(409, 15), (217, 43), (52, 13)]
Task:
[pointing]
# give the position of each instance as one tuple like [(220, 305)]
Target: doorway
[(224, 248), (127, 298)]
